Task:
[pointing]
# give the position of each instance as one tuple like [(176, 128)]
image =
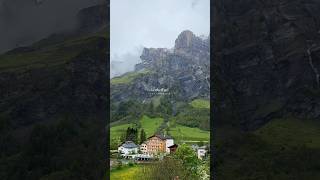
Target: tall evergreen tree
[(142, 136), (132, 134)]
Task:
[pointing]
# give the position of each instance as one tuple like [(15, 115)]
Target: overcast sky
[(152, 23)]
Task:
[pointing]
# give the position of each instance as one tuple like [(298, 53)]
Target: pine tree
[(142, 136)]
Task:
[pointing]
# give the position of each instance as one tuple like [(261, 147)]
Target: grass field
[(291, 132), (283, 149), (117, 131), (185, 133), (150, 125), (200, 103), (127, 173)]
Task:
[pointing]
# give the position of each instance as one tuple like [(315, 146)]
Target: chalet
[(157, 144), (128, 147)]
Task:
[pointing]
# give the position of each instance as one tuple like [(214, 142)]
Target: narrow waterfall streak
[(315, 70)]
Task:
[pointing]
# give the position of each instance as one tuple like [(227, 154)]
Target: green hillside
[(291, 133), (117, 131), (128, 77), (150, 126), (47, 53), (180, 132), (200, 103), (284, 149)]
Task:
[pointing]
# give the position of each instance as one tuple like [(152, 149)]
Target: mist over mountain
[(120, 64), (183, 70), (154, 23), (24, 22)]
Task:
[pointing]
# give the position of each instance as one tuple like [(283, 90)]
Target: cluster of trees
[(130, 109), (132, 135), (165, 106)]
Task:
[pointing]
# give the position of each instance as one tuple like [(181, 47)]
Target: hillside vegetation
[(128, 77), (184, 133), (200, 103), (284, 149), (51, 109)]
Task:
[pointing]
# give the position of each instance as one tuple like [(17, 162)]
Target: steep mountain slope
[(267, 54), (266, 89), (169, 84), (53, 105), (182, 71)]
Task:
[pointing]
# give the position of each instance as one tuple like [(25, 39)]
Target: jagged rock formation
[(265, 66), (183, 70)]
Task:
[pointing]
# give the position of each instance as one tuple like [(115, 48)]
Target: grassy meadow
[(286, 149), (184, 133), (127, 173), (200, 103), (150, 126), (128, 77)]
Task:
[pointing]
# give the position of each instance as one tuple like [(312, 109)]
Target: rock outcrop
[(183, 71)]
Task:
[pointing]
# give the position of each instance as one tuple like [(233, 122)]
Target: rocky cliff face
[(267, 60), (183, 71)]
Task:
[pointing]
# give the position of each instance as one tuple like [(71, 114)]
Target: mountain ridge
[(185, 67)]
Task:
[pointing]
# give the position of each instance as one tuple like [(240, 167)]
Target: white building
[(143, 148), (169, 142), (128, 147), (201, 152)]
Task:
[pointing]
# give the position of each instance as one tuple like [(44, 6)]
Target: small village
[(156, 147)]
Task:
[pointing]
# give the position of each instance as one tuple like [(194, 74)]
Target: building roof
[(202, 147), (163, 137), (173, 146), (129, 144)]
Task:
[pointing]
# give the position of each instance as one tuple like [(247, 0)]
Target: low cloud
[(122, 63), (155, 23)]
